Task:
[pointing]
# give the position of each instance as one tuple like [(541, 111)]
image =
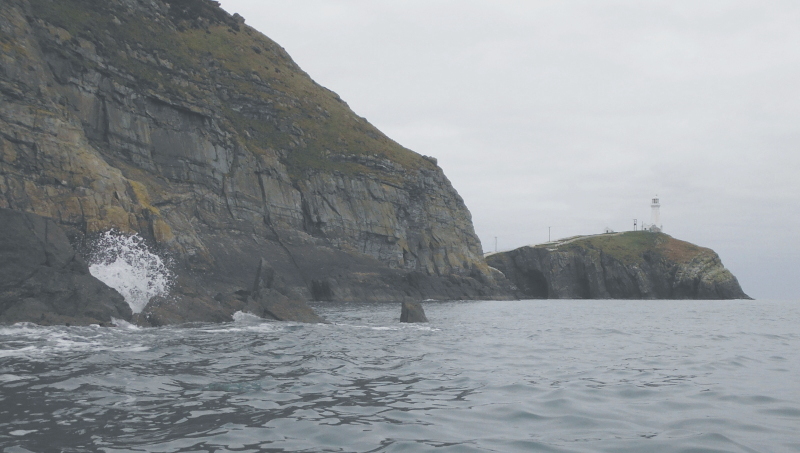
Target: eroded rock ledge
[(632, 265)]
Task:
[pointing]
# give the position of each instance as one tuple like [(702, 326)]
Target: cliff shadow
[(535, 284)]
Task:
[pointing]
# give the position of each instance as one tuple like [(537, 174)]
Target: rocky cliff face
[(43, 279), (179, 122), (632, 265)]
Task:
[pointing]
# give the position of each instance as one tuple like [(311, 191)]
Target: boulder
[(412, 312), (181, 309), (267, 301), (44, 281)]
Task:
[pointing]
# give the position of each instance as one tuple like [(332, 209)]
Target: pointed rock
[(412, 312)]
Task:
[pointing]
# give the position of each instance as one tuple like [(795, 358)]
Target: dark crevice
[(535, 284), (271, 226)]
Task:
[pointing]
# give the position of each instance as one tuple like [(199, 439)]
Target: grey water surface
[(520, 376)]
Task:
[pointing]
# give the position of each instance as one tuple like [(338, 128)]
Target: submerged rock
[(412, 312), (44, 281), (631, 265)]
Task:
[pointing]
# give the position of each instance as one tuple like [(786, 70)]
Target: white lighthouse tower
[(655, 216)]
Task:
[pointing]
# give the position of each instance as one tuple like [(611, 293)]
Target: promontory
[(629, 265)]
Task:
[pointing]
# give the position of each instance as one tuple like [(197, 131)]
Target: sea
[(481, 376)]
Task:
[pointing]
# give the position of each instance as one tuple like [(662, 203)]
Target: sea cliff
[(43, 279), (177, 121), (631, 265)]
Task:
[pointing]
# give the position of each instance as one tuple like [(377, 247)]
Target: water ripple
[(560, 376)]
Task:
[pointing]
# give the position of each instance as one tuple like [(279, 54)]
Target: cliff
[(43, 279), (175, 120), (632, 265)]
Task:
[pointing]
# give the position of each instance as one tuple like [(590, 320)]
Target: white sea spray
[(122, 324), (127, 264), (241, 316)]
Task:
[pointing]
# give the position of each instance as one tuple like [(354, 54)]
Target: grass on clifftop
[(225, 62), (629, 247)]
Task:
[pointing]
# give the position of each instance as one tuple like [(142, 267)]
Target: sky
[(569, 116)]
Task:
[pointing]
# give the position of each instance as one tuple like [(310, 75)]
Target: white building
[(655, 217)]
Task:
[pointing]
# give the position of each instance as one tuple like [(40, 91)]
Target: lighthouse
[(655, 216)]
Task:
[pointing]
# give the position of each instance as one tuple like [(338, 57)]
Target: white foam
[(247, 322), (263, 327), (242, 316), (126, 264), (43, 342), (403, 326), (59, 344), (21, 352), (4, 378), (122, 324)]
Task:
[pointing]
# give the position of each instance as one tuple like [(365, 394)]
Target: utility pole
[(634, 224), (548, 234)]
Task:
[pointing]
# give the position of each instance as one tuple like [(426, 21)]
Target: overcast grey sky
[(573, 114)]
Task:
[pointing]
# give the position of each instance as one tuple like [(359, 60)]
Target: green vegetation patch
[(630, 247), (627, 248)]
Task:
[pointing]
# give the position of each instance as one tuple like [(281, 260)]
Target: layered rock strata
[(179, 122), (632, 265), (43, 279)]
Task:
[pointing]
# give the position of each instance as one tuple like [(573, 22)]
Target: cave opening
[(535, 285)]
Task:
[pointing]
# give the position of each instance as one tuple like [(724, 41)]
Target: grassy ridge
[(197, 57), (630, 247)]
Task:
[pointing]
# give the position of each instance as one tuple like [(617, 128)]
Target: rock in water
[(43, 280), (631, 265), (268, 302), (412, 312)]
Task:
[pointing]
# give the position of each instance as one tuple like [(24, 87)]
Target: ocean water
[(520, 376)]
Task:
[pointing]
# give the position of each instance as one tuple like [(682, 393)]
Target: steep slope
[(178, 121), (632, 265)]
